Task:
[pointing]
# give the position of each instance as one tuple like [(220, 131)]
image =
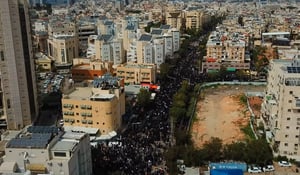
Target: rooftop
[(64, 146), (80, 93), (145, 37), (33, 137)]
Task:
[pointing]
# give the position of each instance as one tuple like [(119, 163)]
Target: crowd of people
[(139, 149)]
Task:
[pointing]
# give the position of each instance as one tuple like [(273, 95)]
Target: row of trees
[(252, 152)]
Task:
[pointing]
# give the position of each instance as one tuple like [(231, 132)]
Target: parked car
[(284, 163), (268, 168), (254, 169)]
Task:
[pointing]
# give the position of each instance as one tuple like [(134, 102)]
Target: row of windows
[(83, 121), (83, 114), (89, 107)]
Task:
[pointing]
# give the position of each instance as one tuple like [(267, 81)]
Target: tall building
[(281, 107), (18, 95)]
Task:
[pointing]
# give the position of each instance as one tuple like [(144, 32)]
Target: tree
[(213, 149), (164, 70), (143, 97), (258, 152), (235, 151)]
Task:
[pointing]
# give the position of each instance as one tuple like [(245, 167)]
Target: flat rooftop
[(80, 93), (85, 93), (64, 146)]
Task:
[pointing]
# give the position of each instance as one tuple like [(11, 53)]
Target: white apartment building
[(144, 49), (47, 150), (158, 51), (107, 48), (176, 39), (281, 107)]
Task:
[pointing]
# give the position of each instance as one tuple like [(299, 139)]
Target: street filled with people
[(148, 133)]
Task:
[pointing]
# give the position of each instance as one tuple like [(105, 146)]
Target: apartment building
[(144, 49), (107, 48), (194, 19), (137, 73), (85, 29), (47, 150), (63, 43), (225, 49), (158, 51), (106, 27), (281, 107), (18, 96), (174, 18), (100, 106)]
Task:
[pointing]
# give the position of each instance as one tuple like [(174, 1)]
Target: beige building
[(281, 108), (100, 106), (174, 18), (46, 150), (226, 49), (18, 96), (137, 73), (194, 19), (63, 43), (63, 48)]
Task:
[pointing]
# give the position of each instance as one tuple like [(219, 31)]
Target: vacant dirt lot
[(221, 114)]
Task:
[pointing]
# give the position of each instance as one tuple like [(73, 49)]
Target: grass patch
[(248, 132), (243, 99)]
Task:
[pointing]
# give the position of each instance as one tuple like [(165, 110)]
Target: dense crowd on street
[(148, 134)]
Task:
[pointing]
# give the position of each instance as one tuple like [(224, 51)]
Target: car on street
[(268, 168), (284, 163), (254, 169)]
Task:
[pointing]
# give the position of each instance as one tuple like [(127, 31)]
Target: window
[(291, 92), (103, 123), (60, 154), (8, 103), (78, 121), (290, 101), (287, 127), (2, 55), (289, 110), (286, 144), (286, 136), (288, 118)]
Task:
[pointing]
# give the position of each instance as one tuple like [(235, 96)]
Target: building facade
[(100, 106), (137, 73), (18, 83), (281, 107), (45, 149)]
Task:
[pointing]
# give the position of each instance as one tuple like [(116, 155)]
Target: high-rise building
[(18, 104), (281, 107)]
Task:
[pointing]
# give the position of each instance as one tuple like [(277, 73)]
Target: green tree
[(213, 149), (258, 152), (164, 70), (143, 97), (235, 151)]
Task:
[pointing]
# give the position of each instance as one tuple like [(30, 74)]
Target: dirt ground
[(221, 114)]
